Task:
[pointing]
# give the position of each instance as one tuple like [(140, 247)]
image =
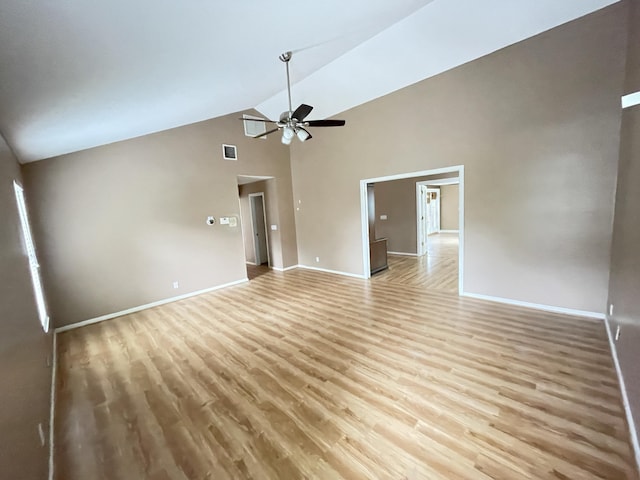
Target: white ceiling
[(77, 74)]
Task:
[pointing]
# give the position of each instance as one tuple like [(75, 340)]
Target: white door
[(423, 220), (34, 266), (259, 224), (433, 210)]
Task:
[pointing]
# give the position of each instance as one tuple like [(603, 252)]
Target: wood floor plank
[(310, 375)]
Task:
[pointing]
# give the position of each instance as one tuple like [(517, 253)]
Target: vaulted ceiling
[(77, 74)]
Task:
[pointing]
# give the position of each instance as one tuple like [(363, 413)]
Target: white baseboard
[(449, 231), (404, 254), (537, 306), (251, 263), (144, 307), (286, 269), (336, 272), (52, 407), (633, 433)]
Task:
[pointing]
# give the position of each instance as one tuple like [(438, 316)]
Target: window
[(34, 266)]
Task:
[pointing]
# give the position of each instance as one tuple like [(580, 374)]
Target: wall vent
[(252, 128), (229, 152)]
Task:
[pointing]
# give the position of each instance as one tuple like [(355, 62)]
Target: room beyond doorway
[(419, 216), (254, 197)]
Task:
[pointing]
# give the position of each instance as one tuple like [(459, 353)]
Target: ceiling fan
[(292, 122)]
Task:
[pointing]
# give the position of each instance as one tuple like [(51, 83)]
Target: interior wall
[(449, 207), (625, 252), (118, 224), (397, 200), (543, 112), (268, 187), (25, 378)]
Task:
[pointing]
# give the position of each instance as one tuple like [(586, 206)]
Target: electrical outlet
[(41, 433), (317, 259), (618, 333), (611, 309), (176, 284)]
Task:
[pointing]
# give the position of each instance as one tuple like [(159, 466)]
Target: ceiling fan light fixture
[(302, 134), (287, 135)]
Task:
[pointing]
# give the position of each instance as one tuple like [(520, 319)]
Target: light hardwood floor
[(254, 271), (437, 270), (310, 375)]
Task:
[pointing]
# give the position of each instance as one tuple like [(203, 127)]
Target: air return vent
[(229, 152), (253, 129)]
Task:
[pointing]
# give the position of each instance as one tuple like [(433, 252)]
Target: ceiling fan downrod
[(285, 57)]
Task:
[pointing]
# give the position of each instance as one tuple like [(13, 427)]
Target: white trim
[(443, 182), (286, 269), (537, 306), (420, 173), (336, 272), (250, 263), (633, 433), (449, 231), (630, 100), (52, 406), (144, 307), (364, 215), (404, 254), (422, 242), (461, 245), (364, 224), (30, 251)]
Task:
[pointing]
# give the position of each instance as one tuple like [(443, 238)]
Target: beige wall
[(449, 204), (25, 379), (543, 112), (268, 187), (397, 200), (625, 252), (118, 224)]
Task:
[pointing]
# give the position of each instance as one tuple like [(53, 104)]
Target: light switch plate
[(274, 227)]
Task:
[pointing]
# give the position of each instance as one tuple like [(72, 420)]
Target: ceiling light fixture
[(293, 122), (287, 135), (303, 134)]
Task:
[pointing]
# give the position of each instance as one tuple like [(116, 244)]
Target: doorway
[(258, 220), (438, 264), (259, 228)]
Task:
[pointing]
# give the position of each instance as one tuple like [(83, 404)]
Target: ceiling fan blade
[(325, 123), (266, 133), (258, 120), (301, 112)]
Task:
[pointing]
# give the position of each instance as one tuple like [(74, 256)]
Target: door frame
[(364, 215), (253, 222)]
